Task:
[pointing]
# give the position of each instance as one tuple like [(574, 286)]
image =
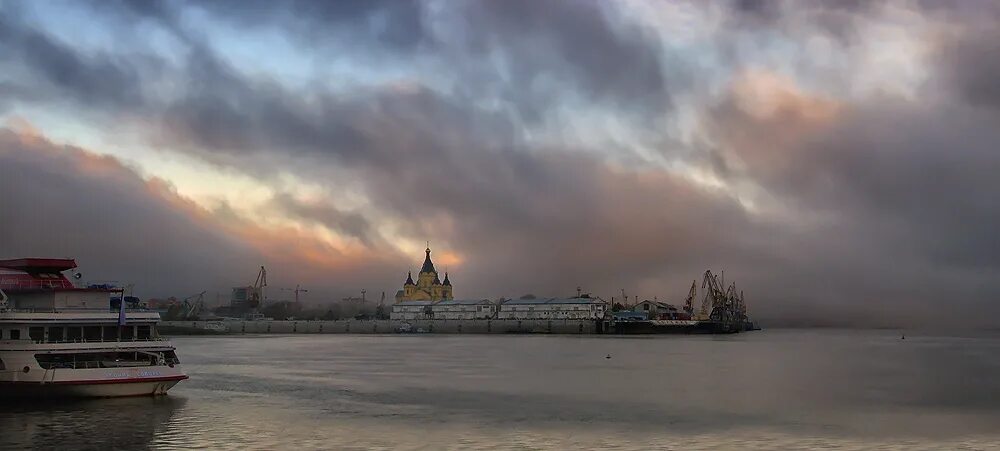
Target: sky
[(836, 159)]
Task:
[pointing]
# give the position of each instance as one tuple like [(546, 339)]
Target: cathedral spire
[(446, 281), (428, 264), (409, 278)]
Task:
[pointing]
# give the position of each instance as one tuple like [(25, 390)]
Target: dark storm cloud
[(902, 191), (96, 78), (397, 24), (548, 43), (64, 202), (222, 110), (547, 50), (349, 223), (972, 65)]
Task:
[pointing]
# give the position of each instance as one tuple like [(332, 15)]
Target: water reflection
[(778, 389), (122, 423)]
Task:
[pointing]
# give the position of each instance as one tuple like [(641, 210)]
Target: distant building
[(447, 309), (428, 286), (243, 297), (463, 309), (660, 310), (161, 304), (410, 310), (552, 308), (629, 315)]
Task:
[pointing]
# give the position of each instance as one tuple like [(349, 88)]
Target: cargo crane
[(689, 301), (296, 290), (714, 296), (725, 307), (192, 310), (717, 305), (256, 295)]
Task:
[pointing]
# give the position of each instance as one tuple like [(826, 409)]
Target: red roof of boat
[(36, 265)]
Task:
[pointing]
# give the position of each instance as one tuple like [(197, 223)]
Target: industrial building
[(464, 309), (552, 308), (660, 310), (517, 309), (447, 309), (410, 310)]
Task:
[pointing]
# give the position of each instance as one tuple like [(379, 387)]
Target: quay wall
[(352, 326)]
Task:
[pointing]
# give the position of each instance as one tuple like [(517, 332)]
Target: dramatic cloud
[(834, 159), (67, 202), (63, 201)]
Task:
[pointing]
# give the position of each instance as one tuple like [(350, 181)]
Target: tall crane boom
[(257, 295), (193, 305), (689, 301), (296, 290)]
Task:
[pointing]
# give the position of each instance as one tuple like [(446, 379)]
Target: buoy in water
[(607, 356)]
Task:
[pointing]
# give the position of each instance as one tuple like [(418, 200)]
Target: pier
[(447, 326), (354, 326)]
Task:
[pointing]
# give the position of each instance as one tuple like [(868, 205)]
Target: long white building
[(410, 310), (464, 309), (552, 308)]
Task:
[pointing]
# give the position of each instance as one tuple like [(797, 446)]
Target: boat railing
[(78, 310), (91, 364), (34, 284), (82, 340)]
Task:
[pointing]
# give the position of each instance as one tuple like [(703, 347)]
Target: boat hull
[(101, 389), (23, 375)]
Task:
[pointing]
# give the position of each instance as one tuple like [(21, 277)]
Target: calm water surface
[(782, 389)]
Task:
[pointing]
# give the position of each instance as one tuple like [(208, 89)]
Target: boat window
[(142, 332), (122, 359), (171, 357), (127, 333), (55, 334), (74, 333), (2, 366), (15, 334), (36, 333), (110, 333), (92, 333)]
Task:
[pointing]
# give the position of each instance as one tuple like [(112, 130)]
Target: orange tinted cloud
[(296, 252), (770, 95)]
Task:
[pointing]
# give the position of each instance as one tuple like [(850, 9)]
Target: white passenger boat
[(57, 339)]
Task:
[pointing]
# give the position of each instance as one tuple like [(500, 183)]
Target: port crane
[(192, 306), (715, 303), (725, 306), (296, 290), (255, 298), (689, 301)]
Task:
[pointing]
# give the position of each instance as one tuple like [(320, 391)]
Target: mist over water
[(763, 390)]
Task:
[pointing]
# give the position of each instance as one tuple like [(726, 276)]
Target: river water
[(776, 389)]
